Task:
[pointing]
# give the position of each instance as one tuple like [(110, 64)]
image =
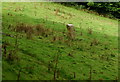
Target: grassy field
[(36, 45)]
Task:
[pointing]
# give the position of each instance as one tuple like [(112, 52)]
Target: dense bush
[(105, 8), (111, 9)]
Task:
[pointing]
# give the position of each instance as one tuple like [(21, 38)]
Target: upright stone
[(71, 31)]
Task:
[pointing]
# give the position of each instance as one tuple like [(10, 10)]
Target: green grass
[(37, 53)]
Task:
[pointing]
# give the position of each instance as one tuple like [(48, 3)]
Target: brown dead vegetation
[(94, 42), (29, 30)]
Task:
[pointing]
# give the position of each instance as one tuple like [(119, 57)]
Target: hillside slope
[(44, 52)]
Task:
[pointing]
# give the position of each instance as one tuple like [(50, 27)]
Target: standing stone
[(71, 31)]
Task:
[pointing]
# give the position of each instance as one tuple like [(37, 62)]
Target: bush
[(109, 7), (102, 8)]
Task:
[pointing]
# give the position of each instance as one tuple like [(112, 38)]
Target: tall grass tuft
[(94, 42), (90, 31), (40, 29)]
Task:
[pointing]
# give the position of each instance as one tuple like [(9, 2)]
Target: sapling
[(54, 74), (20, 70), (81, 33), (19, 73), (56, 11), (10, 57), (58, 73), (49, 66), (5, 50), (56, 64), (53, 22), (16, 41), (90, 73), (74, 74), (35, 13)]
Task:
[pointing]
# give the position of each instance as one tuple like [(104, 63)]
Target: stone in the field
[(70, 24), (70, 27), (71, 31)]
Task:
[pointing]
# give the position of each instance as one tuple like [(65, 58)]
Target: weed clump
[(24, 28), (28, 29), (94, 42), (90, 31), (41, 30), (4, 46)]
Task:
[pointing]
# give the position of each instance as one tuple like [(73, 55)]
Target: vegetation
[(36, 44), (108, 9)]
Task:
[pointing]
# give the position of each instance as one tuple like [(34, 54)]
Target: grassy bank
[(46, 53)]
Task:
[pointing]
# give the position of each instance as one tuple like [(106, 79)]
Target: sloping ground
[(35, 58)]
